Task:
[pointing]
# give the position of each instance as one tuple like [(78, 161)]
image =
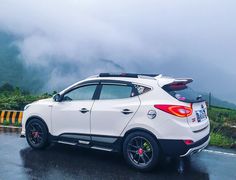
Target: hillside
[(218, 102), (14, 72), (12, 69)]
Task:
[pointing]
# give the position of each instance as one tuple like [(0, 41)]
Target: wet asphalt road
[(19, 161)]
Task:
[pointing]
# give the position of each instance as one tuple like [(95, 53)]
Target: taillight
[(180, 111)]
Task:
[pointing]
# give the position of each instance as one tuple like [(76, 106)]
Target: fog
[(72, 39)]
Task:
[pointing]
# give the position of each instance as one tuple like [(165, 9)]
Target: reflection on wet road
[(19, 161)]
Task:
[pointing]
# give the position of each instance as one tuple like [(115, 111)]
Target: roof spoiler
[(182, 81), (162, 81)]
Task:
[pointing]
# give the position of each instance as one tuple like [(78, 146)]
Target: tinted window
[(183, 93), (142, 89), (81, 93), (115, 92)]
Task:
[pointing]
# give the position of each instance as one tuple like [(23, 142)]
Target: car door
[(72, 114), (116, 105)]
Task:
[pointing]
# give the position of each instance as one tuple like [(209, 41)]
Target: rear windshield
[(184, 93)]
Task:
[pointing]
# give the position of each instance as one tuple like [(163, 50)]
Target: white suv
[(142, 115)]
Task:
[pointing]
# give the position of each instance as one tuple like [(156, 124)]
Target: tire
[(37, 134), (141, 151)]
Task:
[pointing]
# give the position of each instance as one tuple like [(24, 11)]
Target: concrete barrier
[(9, 117), (9, 129)]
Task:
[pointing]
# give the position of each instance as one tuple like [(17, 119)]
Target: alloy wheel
[(140, 151), (35, 133)]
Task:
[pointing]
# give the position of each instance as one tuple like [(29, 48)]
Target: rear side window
[(115, 91), (141, 89), (184, 93)]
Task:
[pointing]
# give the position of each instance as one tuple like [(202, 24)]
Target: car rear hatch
[(179, 89), (198, 121)]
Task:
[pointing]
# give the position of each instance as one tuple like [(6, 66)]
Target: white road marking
[(219, 152)]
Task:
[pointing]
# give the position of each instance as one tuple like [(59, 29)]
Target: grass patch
[(218, 139), (222, 115), (6, 122), (17, 124)]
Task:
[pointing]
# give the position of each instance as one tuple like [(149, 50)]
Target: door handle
[(84, 110), (126, 111)]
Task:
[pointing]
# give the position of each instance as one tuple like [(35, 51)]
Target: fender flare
[(36, 117)]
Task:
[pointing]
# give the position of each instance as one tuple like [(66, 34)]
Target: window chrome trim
[(117, 84)]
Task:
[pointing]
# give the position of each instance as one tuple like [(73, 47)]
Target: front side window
[(81, 93), (115, 91)]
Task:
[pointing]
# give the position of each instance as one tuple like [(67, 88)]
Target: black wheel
[(37, 134), (141, 151)]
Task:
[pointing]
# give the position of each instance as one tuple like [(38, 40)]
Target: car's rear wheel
[(37, 134), (141, 151)]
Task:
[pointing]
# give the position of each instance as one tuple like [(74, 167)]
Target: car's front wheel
[(141, 151), (37, 134)]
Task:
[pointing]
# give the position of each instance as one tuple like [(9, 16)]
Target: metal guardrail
[(10, 117)]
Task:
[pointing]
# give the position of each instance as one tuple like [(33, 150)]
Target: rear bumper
[(177, 148), (196, 149)]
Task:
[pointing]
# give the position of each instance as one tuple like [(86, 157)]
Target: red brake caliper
[(35, 134), (140, 151)]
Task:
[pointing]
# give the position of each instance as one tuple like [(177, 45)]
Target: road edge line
[(12, 127), (219, 152)]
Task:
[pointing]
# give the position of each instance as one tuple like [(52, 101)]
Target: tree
[(6, 88)]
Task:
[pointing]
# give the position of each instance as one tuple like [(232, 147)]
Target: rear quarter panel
[(164, 125)]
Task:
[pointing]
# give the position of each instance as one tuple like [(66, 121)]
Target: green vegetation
[(13, 98), (223, 129), (17, 124), (222, 115), (6, 122), (218, 139)]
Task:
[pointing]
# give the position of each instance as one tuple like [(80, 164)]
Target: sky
[(75, 39)]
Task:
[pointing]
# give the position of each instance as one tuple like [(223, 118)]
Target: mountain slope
[(218, 102), (13, 71)]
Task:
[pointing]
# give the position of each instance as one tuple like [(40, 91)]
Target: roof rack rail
[(129, 75)]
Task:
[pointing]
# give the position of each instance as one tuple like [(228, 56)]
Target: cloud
[(73, 39)]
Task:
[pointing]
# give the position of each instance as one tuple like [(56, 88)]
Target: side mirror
[(57, 97)]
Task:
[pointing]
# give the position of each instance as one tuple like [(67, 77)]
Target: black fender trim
[(36, 117), (101, 141)]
